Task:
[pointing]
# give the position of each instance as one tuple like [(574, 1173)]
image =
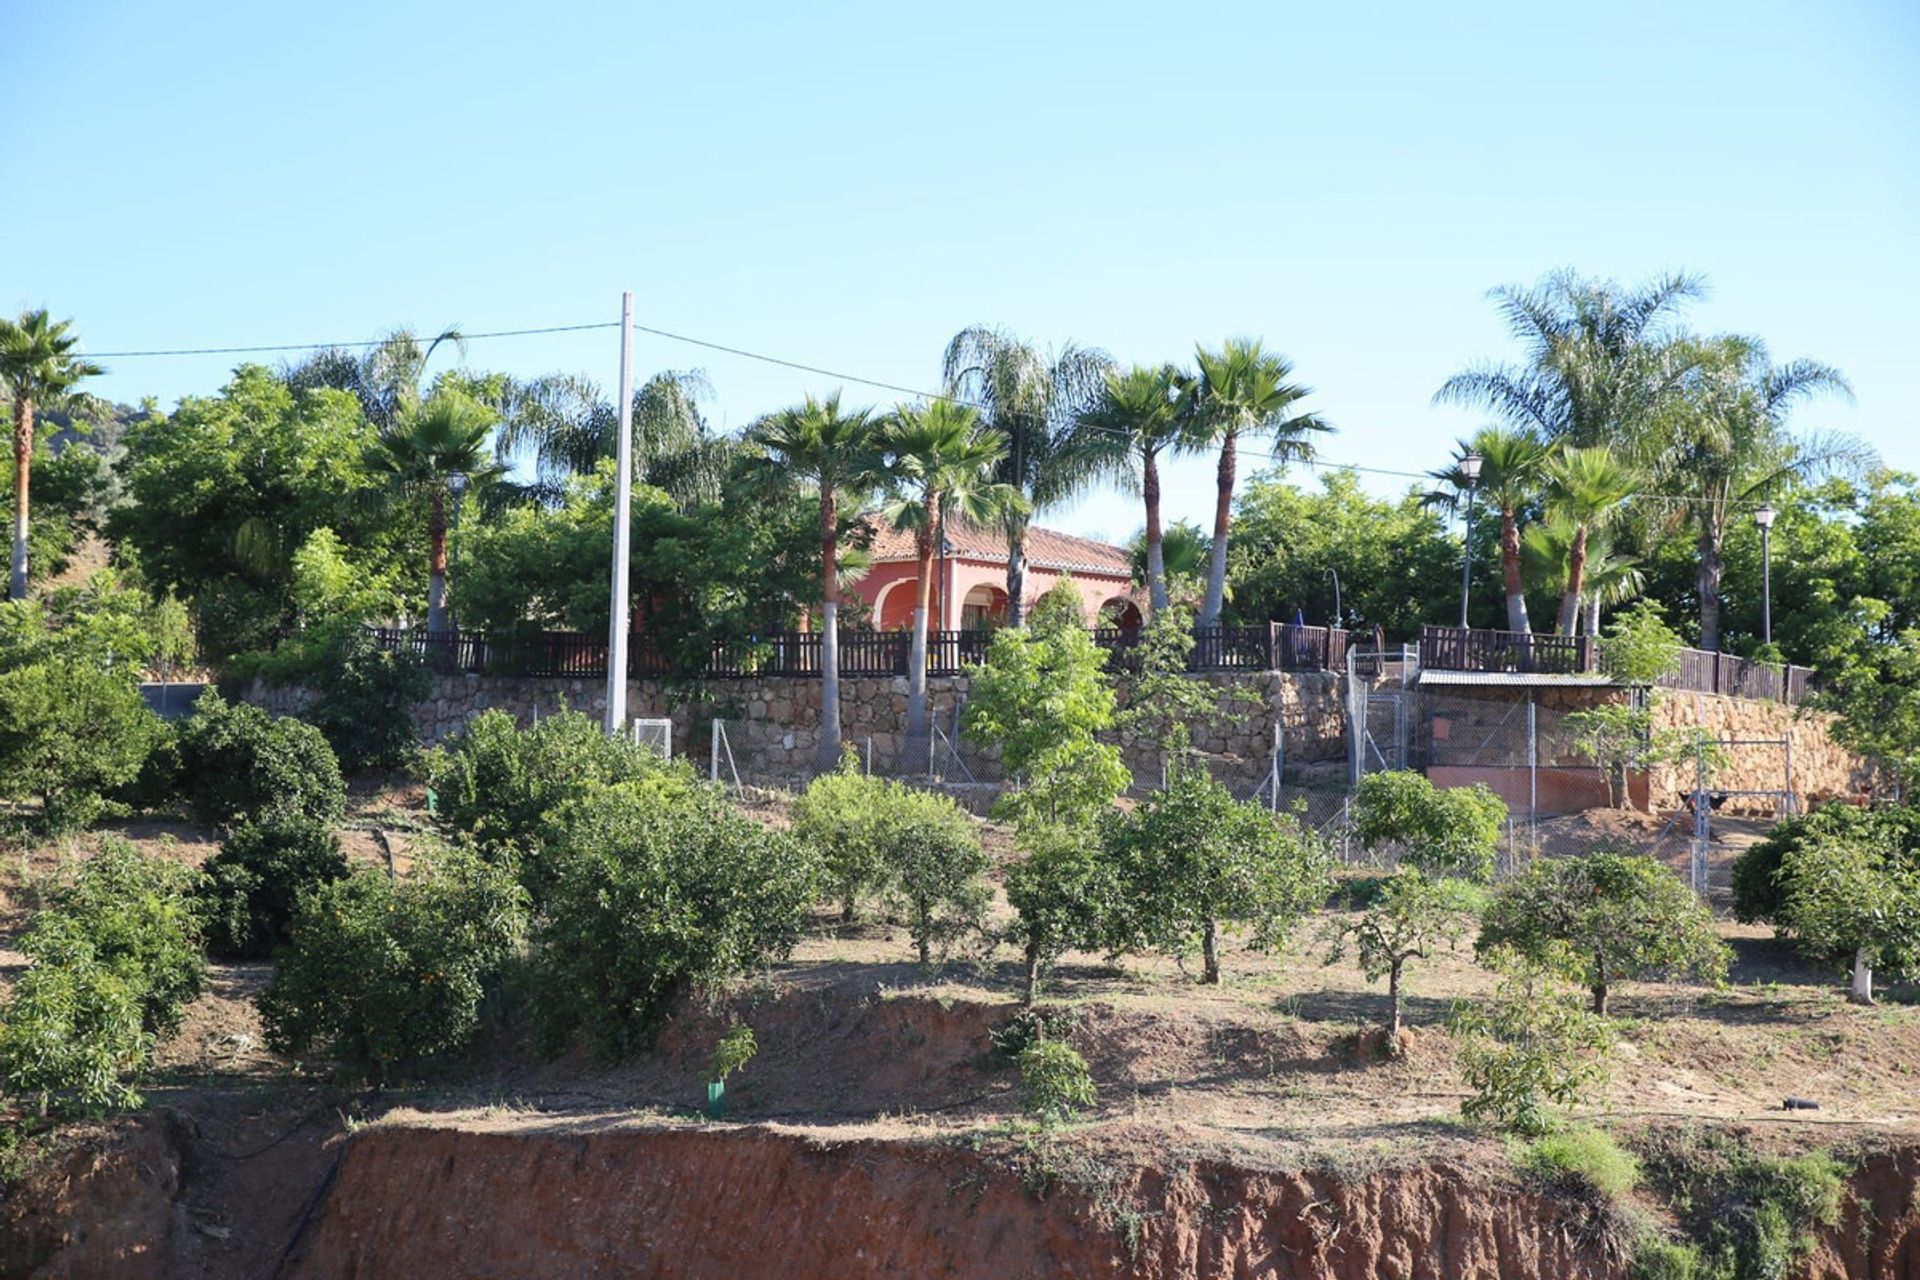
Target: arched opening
[(1120, 612), (984, 606), (893, 611)]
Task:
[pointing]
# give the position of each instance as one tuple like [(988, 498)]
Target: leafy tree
[(1605, 916), (1412, 915), (135, 914), (1065, 891), (816, 443), (239, 764), (388, 976), (1243, 389), (254, 883), (839, 817), (1162, 701), (70, 734), (1194, 860), (1141, 414), (1529, 1045), (72, 1030), (1055, 1082), (1512, 476), (1040, 699), (1451, 832), (656, 896), (939, 461), (502, 787), (420, 456), (1846, 897), (1033, 401), (39, 367), (936, 867), (1759, 896), (363, 701)]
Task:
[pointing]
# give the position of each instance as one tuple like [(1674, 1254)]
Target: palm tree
[(1601, 362), (1243, 389), (817, 442), (386, 380), (39, 369), (1184, 556), (1585, 490), (569, 428), (1033, 402), (428, 452), (940, 462), (1140, 415), (1610, 578), (1511, 466), (1727, 445)]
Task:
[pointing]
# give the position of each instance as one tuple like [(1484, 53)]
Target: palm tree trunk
[(1576, 581), (829, 757), (437, 564), (1017, 575), (917, 743), (1156, 536), (22, 474), (1510, 571), (1712, 566), (1222, 517), (1593, 614)]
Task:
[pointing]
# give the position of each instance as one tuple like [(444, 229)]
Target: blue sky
[(847, 185)]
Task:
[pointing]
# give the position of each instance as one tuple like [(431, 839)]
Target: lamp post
[(1338, 612), (1470, 473), (1764, 519)]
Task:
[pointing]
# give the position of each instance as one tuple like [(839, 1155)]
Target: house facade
[(970, 577)]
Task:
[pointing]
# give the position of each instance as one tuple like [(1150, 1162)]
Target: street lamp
[(1764, 519), (1470, 473), (1338, 613)]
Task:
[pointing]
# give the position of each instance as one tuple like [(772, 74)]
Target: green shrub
[(500, 785), (1759, 896), (1054, 1082), (1528, 1046), (364, 698), (1749, 1216), (254, 882), (155, 786), (1064, 889), (239, 764), (935, 868), (732, 1051), (1587, 1157), (70, 733), (388, 976), (838, 816), (137, 916), (657, 893), (1451, 832), (1193, 861), (70, 1034)]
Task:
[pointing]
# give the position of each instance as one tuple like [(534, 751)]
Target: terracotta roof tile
[(1046, 548)]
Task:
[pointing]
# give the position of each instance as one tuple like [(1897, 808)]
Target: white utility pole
[(622, 519)]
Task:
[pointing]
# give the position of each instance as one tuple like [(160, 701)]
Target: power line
[(321, 346)]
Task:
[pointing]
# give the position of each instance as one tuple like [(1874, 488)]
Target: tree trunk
[(829, 757), (1510, 572), (1593, 614), (437, 563), (1156, 536), (1713, 566), (1576, 582), (1031, 987), (1861, 991), (918, 738), (1600, 984), (1017, 577), (1393, 1009), (1210, 952), (1222, 518), (22, 475)]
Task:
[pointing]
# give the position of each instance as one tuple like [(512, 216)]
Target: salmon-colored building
[(970, 577)]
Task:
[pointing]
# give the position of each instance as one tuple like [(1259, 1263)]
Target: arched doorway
[(984, 606), (1120, 612), (893, 611)]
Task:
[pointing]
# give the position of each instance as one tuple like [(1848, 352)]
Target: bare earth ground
[(1277, 1067)]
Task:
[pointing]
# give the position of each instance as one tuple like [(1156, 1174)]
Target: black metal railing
[(1265, 647)]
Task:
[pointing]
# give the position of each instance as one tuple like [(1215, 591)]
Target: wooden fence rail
[(1523, 653)]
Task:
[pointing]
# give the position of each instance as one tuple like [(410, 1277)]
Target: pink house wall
[(889, 588)]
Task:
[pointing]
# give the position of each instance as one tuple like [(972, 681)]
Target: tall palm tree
[(1727, 445), (817, 442), (1585, 489), (1140, 415), (387, 380), (39, 369), (1032, 401), (940, 462), (428, 452), (1601, 362), (1512, 464), (1244, 389), (568, 428), (1610, 577)]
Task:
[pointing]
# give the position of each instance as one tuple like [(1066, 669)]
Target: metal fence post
[(713, 751), (1533, 765)]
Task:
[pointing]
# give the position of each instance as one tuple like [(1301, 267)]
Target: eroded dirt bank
[(687, 1203)]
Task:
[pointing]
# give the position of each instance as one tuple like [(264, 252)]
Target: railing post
[(1273, 645)]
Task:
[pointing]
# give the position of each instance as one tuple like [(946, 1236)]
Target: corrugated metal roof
[(1514, 679)]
